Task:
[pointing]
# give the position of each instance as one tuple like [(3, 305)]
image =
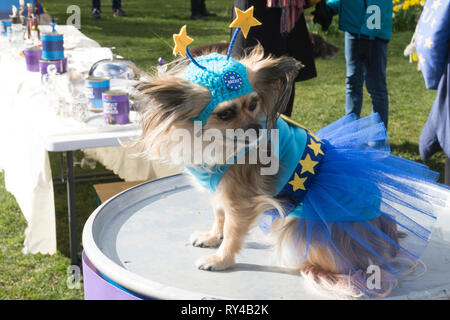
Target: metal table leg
[(71, 207)]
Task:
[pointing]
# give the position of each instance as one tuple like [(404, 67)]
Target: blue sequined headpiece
[(225, 77)]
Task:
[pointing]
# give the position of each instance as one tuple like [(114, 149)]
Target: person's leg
[(116, 4), (96, 9), (117, 8), (354, 79), (96, 4), (376, 80), (195, 8), (203, 10)]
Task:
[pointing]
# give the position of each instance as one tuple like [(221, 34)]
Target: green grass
[(143, 36)]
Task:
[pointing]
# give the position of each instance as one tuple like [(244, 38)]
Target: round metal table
[(137, 243)]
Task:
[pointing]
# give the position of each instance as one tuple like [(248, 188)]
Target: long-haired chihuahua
[(169, 103)]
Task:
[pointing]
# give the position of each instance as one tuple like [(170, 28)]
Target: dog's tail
[(317, 263)]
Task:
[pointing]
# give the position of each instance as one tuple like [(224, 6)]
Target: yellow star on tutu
[(308, 164), (314, 146), (182, 40), (298, 183), (244, 20)]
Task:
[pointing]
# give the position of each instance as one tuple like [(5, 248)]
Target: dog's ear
[(172, 96), (166, 103), (272, 78)]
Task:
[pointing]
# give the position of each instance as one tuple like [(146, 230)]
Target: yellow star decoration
[(298, 183), (308, 164), (244, 20), (436, 4), (421, 59), (181, 42), (314, 146), (428, 43)]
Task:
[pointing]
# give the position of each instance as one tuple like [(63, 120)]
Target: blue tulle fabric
[(360, 190)]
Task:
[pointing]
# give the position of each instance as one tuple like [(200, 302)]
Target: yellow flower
[(396, 8), (405, 6)]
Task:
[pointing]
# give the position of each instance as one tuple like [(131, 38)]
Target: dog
[(321, 48), (168, 103)]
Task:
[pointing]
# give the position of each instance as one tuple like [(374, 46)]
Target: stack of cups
[(53, 52)]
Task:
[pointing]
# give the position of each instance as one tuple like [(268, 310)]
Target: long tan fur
[(168, 102)]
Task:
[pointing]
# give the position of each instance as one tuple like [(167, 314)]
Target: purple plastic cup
[(32, 57), (116, 107)]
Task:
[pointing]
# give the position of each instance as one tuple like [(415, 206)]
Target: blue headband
[(224, 77)]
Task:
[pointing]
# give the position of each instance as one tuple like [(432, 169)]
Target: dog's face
[(244, 112), (168, 102)]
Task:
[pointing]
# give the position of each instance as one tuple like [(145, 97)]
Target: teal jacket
[(366, 18)]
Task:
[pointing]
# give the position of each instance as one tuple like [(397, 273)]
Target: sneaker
[(119, 13), (95, 13)]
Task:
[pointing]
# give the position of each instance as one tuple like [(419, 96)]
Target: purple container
[(32, 57), (61, 65), (116, 107), (98, 288)]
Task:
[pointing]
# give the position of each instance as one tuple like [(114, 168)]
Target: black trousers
[(198, 7), (116, 4)]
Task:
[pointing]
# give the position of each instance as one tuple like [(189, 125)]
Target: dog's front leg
[(212, 238), (235, 229)]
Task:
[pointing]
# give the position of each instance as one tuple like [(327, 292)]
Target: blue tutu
[(366, 207)]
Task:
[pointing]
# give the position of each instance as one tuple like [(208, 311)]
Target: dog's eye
[(253, 104), (226, 115)]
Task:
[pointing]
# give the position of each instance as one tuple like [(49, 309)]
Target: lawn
[(144, 36)]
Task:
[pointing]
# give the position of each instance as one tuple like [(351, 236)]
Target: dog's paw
[(205, 240), (213, 262)]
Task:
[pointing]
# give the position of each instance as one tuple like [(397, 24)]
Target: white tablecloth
[(28, 119)]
